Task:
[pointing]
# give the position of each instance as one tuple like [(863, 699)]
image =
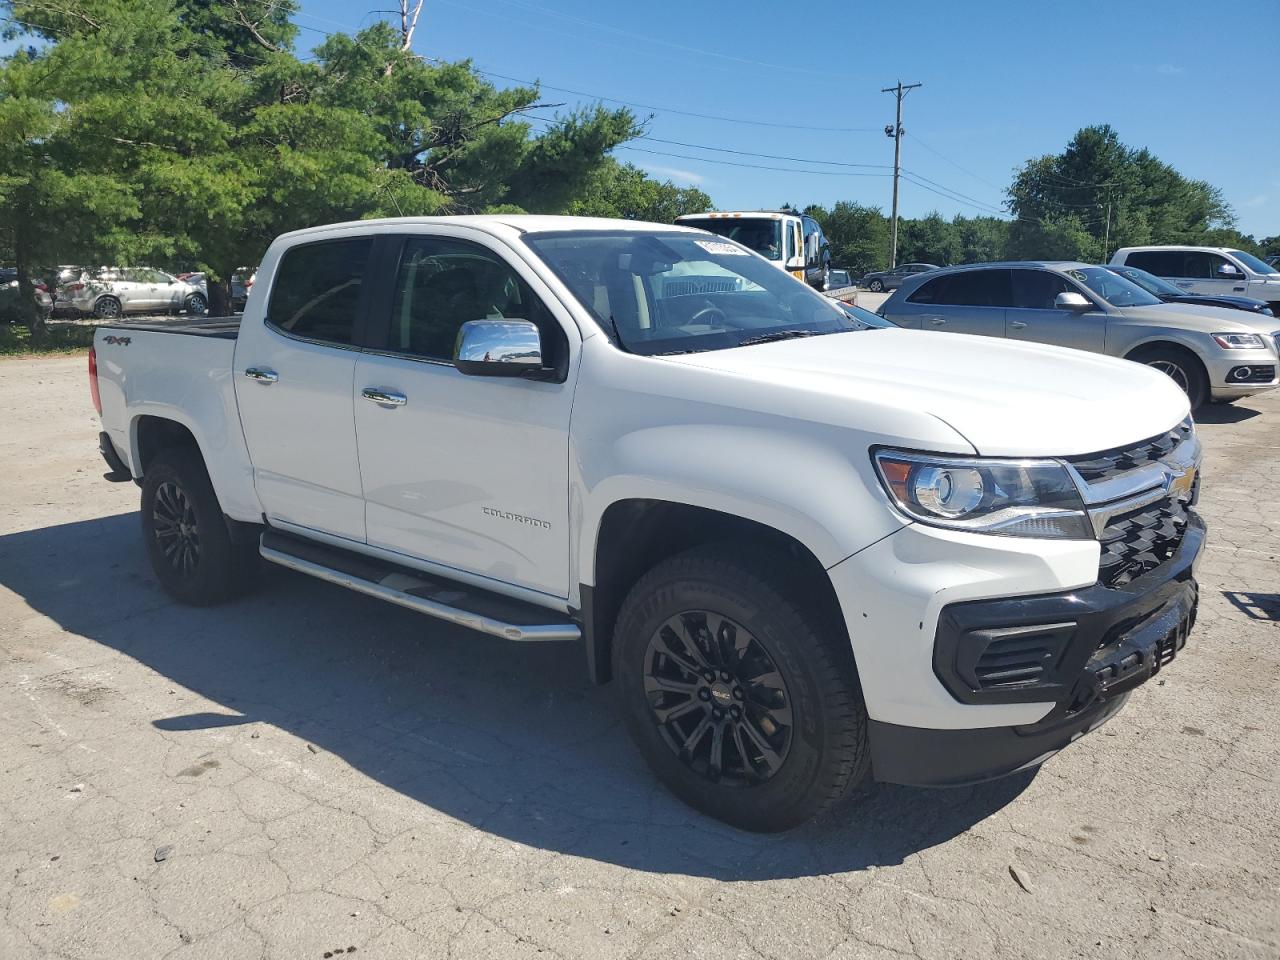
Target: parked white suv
[(1214, 271), (114, 291), (806, 549)]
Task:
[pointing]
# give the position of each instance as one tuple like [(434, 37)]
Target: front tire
[(875, 286), (196, 305), (186, 533), (741, 695), (1182, 367)]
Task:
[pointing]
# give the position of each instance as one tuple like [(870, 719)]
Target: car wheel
[(196, 305), (1182, 367), (875, 286), (741, 695), (107, 308), (186, 534)]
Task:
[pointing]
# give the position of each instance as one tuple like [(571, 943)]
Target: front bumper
[(1081, 650)]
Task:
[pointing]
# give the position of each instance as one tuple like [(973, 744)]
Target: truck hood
[(1200, 318), (1004, 398)]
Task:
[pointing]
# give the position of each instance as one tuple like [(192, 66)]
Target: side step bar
[(456, 603)]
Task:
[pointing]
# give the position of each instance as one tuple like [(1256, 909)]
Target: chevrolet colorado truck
[(805, 548)]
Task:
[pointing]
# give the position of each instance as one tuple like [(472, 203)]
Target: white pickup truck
[(806, 548)]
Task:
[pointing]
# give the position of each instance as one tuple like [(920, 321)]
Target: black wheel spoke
[(173, 524), (718, 698), (768, 756), (668, 714)]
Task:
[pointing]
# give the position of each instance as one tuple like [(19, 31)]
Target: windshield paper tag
[(722, 248)]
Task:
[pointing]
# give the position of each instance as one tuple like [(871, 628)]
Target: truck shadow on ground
[(511, 738)]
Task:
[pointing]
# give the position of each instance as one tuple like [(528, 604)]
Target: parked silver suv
[(1211, 352), (113, 291)]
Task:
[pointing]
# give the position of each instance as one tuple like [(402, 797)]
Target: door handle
[(261, 374), (1017, 324), (937, 321), (383, 397)]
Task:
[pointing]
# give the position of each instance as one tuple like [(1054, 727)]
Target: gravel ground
[(307, 772)]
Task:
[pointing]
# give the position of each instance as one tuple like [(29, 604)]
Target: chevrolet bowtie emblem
[(1181, 485)]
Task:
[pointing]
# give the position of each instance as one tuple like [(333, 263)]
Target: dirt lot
[(308, 771)]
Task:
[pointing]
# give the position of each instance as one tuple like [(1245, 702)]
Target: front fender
[(796, 485)]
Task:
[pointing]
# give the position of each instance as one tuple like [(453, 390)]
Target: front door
[(1034, 316), (293, 385), (468, 472)]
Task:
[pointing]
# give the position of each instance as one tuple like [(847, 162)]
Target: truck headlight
[(1239, 341), (1015, 498)]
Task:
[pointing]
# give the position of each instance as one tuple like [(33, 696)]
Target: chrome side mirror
[(498, 348), (1069, 300)]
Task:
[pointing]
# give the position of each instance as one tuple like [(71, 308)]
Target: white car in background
[(114, 291), (1209, 271)]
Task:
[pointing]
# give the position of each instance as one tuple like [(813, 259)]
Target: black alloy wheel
[(718, 698), (174, 526)]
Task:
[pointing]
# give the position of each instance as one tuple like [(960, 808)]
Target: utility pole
[(895, 132), (1106, 244)]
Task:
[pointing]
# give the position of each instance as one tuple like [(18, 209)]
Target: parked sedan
[(1167, 292), (893, 279), (111, 292), (1211, 352)]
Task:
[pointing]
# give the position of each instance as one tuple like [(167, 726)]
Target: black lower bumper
[(1082, 650), (119, 472)]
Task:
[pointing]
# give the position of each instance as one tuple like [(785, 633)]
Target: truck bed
[(224, 328)]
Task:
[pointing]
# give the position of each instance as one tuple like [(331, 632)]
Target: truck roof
[(496, 223)]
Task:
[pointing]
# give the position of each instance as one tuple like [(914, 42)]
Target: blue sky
[(1003, 81)]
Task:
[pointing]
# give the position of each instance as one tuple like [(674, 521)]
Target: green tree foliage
[(626, 192), (188, 131), (859, 238), (1061, 201)]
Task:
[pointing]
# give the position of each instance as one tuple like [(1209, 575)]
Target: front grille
[(1137, 542), (1111, 463)]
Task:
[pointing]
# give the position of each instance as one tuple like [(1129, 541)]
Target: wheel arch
[(636, 533), (1165, 342)]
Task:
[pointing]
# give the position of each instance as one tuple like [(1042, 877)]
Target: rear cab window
[(317, 290)]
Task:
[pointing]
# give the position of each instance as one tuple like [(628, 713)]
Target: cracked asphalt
[(308, 772)]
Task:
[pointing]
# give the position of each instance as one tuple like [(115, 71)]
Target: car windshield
[(1113, 288), (1253, 263), (1150, 282), (761, 234), (661, 292)]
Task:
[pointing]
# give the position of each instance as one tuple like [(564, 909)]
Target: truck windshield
[(1113, 288), (1253, 263), (668, 291), (761, 234)]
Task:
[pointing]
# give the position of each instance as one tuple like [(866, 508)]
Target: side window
[(1037, 289), (442, 284), (1204, 266), (316, 292), (791, 242), (975, 288), (1163, 263), (928, 292)]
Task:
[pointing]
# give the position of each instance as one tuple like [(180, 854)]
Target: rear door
[(468, 472), (293, 379), (971, 301), (1032, 314)]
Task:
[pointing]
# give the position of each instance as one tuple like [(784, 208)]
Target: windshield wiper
[(779, 335)]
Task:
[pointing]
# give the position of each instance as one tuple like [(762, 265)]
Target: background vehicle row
[(112, 292)]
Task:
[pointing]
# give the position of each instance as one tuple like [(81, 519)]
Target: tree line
[(189, 133), (1084, 203)]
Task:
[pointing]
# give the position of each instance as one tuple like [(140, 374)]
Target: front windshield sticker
[(720, 247), (1078, 275)]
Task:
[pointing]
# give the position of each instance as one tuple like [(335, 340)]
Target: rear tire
[(186, 533), (1182, 367), (750, 667), (107, 308)]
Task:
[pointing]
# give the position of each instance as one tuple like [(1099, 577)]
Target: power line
[(749, 166), (944, 157)]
